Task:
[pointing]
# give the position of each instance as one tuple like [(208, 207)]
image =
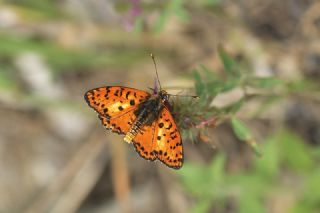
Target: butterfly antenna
[(155, 66)]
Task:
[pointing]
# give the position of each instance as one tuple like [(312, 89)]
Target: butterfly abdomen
[(134, 130)]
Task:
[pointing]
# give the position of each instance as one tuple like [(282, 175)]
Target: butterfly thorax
[(147, 112)]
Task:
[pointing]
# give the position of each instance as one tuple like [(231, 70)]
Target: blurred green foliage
[(286, 156), (196, 116), (60, 59), (6, 80), (37, 10), (63, 59), (287, 169), (209, 84), (176, 8), (168, 9)]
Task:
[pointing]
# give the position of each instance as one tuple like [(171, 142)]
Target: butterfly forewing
[(114, 101), (121, 124)]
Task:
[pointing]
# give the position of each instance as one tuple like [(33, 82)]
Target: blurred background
[(251, 141)]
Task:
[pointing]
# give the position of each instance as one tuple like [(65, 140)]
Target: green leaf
[(242, 131), (229, 64), (234, 107), (176, 4), (217, 87), (217, 168), (209, 75), (182, 14), (269, 165), (196, 179), (296, 154), (312, 188), (316, 152), (264, 82), (302, 208), (6, 81), (302, 85), (249, 203), (202, 206), (199, 85), (213, 84), (212, 2), (161, 21)]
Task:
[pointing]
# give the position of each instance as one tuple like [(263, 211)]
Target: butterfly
[(144, 118)]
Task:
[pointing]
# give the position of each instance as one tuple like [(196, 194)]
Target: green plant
[(197, 116), (287, 160), (285, 154)]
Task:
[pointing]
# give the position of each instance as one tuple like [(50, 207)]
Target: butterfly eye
[(165, 97)]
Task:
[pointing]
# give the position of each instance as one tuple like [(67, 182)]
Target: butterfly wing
[(121, 124), (161, 140), (143, 142), (168, 142), (116, 105)]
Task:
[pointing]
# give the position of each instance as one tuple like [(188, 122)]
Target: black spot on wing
[(170, 126), (127, 94)]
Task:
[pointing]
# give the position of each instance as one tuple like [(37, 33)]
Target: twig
[(120, 176)]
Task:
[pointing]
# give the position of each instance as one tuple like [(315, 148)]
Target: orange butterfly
[(144, 119)]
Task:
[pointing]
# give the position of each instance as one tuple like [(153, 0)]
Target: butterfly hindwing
[(168, 142), (161, 140), (114, 101), (143, 142)]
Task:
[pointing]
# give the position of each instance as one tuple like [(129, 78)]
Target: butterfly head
[(164, 96)]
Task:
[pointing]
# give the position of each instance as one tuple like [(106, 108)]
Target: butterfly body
[(146, 113), (144, 119)]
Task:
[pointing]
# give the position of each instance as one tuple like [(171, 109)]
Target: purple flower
[(134, 11)]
